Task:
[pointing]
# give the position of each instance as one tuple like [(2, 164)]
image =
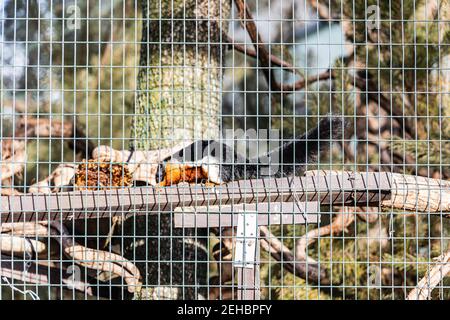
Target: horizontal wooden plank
[(204, 220), (226, 216), (326, 189)]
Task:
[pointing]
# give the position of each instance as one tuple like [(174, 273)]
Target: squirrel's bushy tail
[(305, 149)]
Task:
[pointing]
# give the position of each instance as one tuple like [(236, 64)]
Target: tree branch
[(40, 274), (431, 278), (96, 259), (15, 245), (266, 59), (338, 225), (301, 268), (252, 53), (13, 158), (43, 127)]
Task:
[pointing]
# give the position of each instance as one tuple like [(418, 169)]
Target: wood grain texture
[(389, 190), (346, 189), (421, 194), (432, 278)]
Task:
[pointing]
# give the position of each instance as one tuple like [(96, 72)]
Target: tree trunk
[(178, 98), (179, 83)]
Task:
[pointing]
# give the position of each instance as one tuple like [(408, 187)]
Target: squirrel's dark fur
[(293, 156)]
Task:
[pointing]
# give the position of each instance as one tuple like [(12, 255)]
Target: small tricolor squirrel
[(203, 160)]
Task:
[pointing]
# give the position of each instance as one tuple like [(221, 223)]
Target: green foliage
[(99, 87), (402, 55), (425, 152), (102, 95), (357, 259)]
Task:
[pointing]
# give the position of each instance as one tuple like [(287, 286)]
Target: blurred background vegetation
[(392, 83)]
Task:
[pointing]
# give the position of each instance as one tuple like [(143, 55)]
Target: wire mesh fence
[(227, 149)]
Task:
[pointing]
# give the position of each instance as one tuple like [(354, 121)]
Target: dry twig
[(83, 256), (97, 259), (18, 246), (431, 278), (38, 274), (300, 268), (252, 53), (265, 58), (338, 225), (30, 229), (13, 158)]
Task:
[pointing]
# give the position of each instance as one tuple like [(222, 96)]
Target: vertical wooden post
[(247, 249), (249, 278)]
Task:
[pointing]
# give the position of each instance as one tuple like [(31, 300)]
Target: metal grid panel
[(99, 97)]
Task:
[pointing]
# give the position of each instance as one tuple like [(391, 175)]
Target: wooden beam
[(421, 194), (227, 215), (249, 287), (408, 192), (342, 188), (345, 189)]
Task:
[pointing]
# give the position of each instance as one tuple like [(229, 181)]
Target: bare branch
[(39, 274), (431, 278), (15, 245), (266, 59), (249, 24), (13, 158), (300, 268), (409, 192), (83, 256), (338, 225), (252, 53), (97, 259), (30, 229)]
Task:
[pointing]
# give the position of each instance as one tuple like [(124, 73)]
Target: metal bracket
[(246, 239)]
